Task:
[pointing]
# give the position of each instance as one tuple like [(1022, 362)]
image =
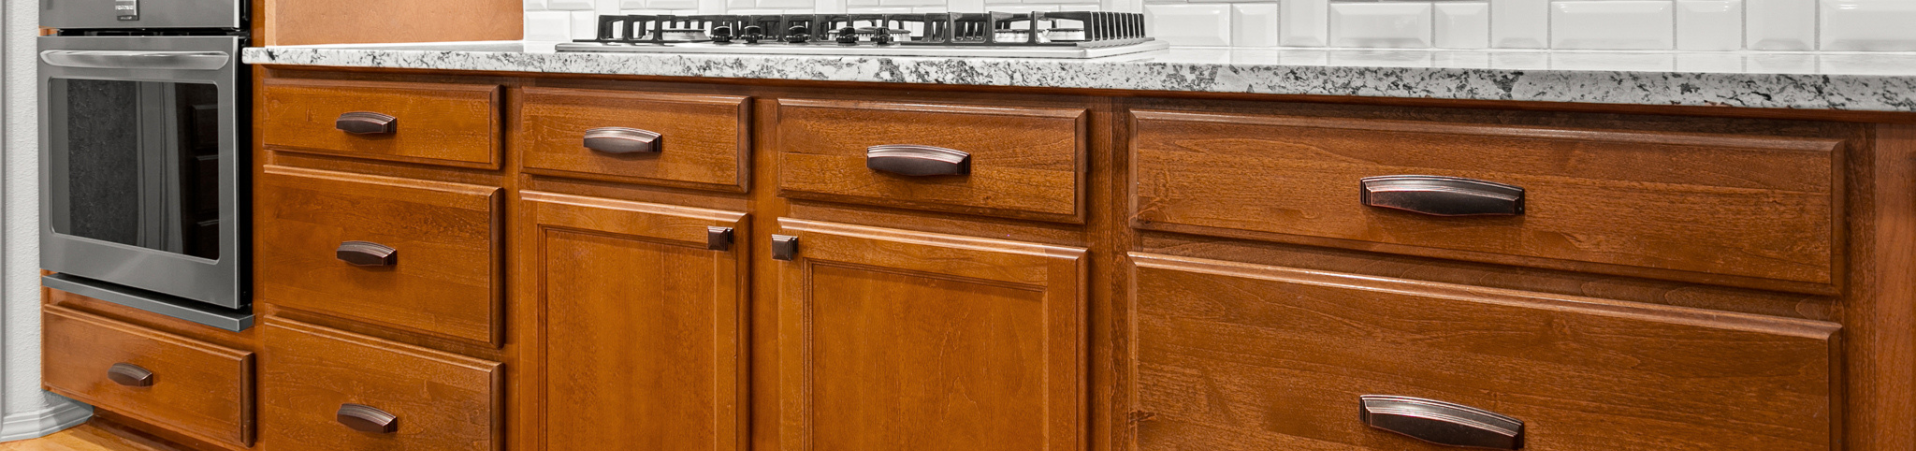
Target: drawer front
[(696, 141), (433, 123), (1014, 162), (331, 390), (1243, 357), (442, 276), (1625, 200), (192, 387)]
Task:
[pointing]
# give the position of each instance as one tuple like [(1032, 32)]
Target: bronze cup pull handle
[(622, 140), (365, 418), (914, 160), (1437, 195), (1441, 422), (367, 123), (130, 375), (367, 253)]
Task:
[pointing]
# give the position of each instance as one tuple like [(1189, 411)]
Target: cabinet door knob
[(718, 238), (366, 253), (130, 375), (622, 140), (1441, 422), (367, 123), (914, 160), (365, 418), (1437, 195), (784, 247)]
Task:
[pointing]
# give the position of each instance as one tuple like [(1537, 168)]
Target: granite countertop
[(1828, 81)]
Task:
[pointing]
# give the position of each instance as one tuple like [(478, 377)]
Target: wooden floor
[(89, 437)]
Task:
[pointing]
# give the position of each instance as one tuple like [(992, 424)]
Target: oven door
[(140, 164)]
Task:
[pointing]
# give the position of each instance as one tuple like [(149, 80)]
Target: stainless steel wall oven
[(143, 122)]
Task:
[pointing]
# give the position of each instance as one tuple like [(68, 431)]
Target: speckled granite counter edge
[(1791, 91)]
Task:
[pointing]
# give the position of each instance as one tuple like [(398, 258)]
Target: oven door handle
[(123, 59)]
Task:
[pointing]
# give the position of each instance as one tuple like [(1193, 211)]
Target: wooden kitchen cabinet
[(1015, 160), (698, 141), (891, 339), (199, 389), (1110, 272), (1235, 356), (411, 254), (1689, 199), (331, 390), (432, 123), (641, 337)]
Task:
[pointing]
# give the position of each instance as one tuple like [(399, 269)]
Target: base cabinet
[(904, 340), (641, 264), (641, 334)]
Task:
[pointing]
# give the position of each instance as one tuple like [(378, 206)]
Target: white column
[(29, 411)]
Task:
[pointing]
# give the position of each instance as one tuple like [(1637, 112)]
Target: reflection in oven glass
[(143, 165)]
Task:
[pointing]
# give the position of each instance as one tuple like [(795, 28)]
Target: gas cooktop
[(1038, 34)]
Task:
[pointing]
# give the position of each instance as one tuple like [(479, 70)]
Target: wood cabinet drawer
[(698, 141), (1652, 204), (443, 274), (198, 389), (1021, 162), (433, 123), (328, 390), (1244, 357)]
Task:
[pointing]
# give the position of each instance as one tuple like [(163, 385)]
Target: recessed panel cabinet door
[(897, 340), (641, 336)]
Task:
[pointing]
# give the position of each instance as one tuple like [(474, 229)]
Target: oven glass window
[(140, 162)]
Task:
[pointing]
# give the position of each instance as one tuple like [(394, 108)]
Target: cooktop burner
[(1038, 34)]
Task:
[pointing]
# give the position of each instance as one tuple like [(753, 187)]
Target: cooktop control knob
[(798, 34), (722, 34), (848, 36), (881, 36), (752, 33)]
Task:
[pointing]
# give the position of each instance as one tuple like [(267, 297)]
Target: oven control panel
[(127, 10)]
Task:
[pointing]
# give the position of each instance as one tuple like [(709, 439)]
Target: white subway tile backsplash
[(954, 5), (1461, 25), (1709, 62), (1688, 25), (783, 3), (585, 24), (548, 25), (1193, 25), (1709, 24), (1254, 25), (672, 4), (900, 2), (1613, 25), (1519, 24), (1868, 25), (1779, 24), (1394, 25), (1303, 23)]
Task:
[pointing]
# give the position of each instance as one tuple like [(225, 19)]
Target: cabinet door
[(895, 340), (640, 336)]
